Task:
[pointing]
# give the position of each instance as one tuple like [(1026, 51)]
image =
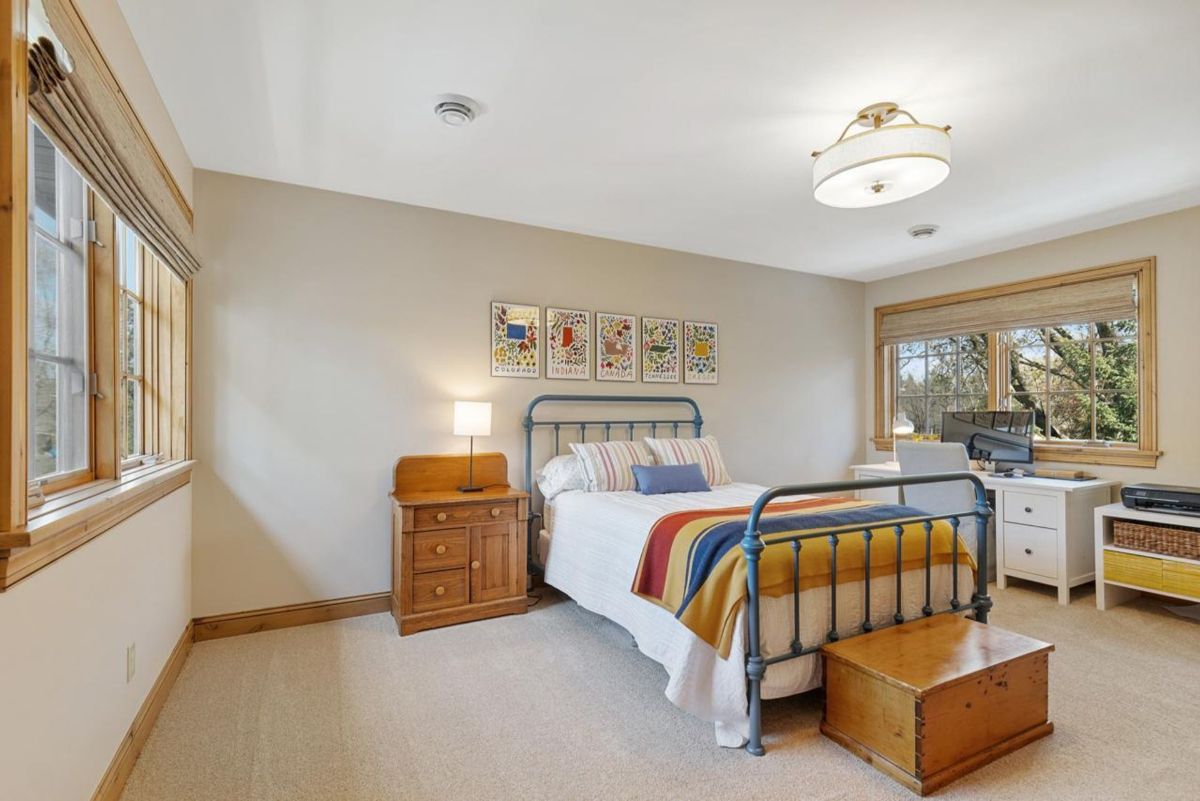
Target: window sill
[(73, 517), (1075, 454)]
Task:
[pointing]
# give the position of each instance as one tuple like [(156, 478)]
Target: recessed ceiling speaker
[(923, 231), (456, 110)]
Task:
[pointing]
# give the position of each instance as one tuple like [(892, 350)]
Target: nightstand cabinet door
[(495, 568)]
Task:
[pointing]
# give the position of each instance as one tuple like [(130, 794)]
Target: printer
[(1162, 498)]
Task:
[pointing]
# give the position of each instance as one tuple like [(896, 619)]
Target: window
[(949, 374), (131, 309), (1077, 350), (59, 367), (1080, 381)]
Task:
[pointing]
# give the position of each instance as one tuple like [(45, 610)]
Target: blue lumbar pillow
[(657, 479)]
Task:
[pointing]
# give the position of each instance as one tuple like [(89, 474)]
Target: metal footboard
[(753, 547)]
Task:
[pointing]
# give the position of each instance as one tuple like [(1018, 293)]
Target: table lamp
[(901, 427), (472, 419)]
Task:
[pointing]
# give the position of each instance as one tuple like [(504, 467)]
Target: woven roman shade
[(1084, 302), (88, 117)]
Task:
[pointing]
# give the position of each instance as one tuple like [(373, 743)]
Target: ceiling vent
[(456, 110), (924, 231)]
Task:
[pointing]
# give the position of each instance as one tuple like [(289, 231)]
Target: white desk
[(1044, 526)]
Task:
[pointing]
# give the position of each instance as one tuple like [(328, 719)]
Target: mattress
[(591, 546)]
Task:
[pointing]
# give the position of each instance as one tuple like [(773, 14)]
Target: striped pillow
[(703, 451), (607, 465)]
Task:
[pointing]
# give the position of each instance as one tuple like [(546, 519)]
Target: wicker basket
[(1166, 540)]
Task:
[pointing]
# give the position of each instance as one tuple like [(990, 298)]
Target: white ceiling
[(688, 124)]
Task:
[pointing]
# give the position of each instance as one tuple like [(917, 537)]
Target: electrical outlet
[(130, 662)]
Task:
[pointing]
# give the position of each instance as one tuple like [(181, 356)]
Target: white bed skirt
[(591, 553)]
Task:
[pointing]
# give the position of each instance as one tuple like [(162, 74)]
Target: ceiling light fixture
[(923, 231), (885, 164), (456, 110)]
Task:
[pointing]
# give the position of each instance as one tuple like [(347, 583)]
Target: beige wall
[(64, 631), (1175, 240), (333, 332), (107, 24)]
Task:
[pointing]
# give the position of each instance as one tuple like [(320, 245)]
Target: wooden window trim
[(75, 516), (1144, 454)]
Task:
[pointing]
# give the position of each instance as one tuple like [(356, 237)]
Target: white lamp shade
[(472, 419), (880, 166), (901, 425)]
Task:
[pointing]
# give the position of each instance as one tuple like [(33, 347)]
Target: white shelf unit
[(1110, 593)]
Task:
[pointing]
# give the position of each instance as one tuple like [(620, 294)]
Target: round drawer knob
[(495, 512), (439, 590), (441, 517), (1028, 510), (475, 565), (1029, 551), (441, 549)]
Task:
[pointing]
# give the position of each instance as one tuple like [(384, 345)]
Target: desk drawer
[(439, 549), (1031, 550), (464, 514), (1031, 510), (439, 590)]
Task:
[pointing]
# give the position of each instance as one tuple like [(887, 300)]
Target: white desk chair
[(919, 458)]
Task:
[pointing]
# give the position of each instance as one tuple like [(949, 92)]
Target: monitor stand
[(1013, 470)]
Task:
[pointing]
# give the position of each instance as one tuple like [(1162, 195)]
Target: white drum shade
[(882, 165)]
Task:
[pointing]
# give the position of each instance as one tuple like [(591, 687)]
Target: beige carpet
[(556, 704)]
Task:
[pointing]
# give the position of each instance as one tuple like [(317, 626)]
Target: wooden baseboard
[(113, 782), (282, 617)]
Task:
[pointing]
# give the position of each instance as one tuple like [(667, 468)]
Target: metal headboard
[(627, 424)]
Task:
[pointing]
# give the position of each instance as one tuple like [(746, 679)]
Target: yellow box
[(1140, 571), (1181, 578)]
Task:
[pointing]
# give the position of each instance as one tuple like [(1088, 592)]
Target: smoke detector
[(923, 231), (456, 110)]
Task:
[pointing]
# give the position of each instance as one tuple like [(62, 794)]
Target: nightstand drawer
[(440, 549), (1031, 510), (1031, 550), (439, 590), (464, 514)]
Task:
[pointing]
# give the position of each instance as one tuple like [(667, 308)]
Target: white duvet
[(595, 540)]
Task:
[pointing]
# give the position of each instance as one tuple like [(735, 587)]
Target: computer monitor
[(992, 436)]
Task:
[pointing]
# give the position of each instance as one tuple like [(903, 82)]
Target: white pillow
[(560, 474), (607, 465), (703, 451)]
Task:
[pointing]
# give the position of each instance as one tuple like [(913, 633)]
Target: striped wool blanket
[(693, 565)]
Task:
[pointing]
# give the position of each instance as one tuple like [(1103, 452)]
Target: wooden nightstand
[(456, 556)]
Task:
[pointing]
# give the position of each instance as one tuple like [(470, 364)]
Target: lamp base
[(470, 489)]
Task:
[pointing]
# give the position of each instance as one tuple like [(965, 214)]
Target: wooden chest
[(931, 700), (456, 556)]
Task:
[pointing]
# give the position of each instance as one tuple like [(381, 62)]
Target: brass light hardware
[(441, 549), (475, 565), (441, 517), (439, 590), (495, 512)]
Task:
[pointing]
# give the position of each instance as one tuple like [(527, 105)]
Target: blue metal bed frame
[(753, 544)]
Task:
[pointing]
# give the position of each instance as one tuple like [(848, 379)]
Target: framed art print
[(616, 347), (568, 344), (660, 350), (515, 338), (699, 352)]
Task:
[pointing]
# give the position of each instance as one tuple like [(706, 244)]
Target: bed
[(588, 545)]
